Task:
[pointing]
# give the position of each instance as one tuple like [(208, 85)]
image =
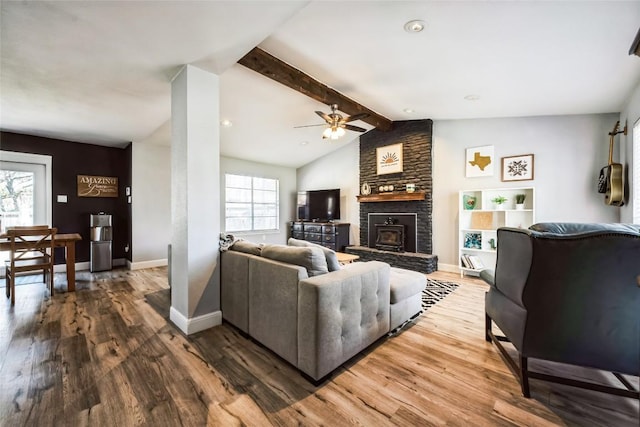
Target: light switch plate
[(62, 198)]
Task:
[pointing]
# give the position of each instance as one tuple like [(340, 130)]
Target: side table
[(346, 258)]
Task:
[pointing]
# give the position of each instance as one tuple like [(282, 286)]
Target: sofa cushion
[(405, 284), (247, 247), (330, 255), (312, 259)]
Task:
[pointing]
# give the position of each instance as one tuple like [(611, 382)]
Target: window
[(251, 203), (25, 192), (635, 201), (25, 189)]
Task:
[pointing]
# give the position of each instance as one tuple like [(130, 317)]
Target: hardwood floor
[(106, 355)]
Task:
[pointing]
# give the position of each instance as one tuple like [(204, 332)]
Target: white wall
[(630, 114), (151, 200), (569, 152), (338, 169), (151, 204), (287, 178)]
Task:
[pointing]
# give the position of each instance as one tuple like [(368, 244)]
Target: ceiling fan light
[(327, 133)]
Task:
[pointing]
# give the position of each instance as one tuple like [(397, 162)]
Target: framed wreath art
[(517, 168)]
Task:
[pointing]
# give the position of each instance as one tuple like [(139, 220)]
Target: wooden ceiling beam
[(268, 65)]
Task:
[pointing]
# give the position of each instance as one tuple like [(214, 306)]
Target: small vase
[(469, 202), (499, 207), (520, 207)]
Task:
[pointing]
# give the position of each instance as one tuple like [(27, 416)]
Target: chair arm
[(488, 276)]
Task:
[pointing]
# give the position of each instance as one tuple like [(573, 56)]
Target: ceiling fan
[(337, 124)]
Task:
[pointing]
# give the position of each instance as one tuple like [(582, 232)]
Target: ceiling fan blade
[(308, 126), (354, 128), (325, 117), (355, 117)]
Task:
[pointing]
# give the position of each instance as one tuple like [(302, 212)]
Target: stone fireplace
[(413, 215)]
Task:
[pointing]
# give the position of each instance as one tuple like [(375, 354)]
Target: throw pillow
[(310, 258), (330, 255), (247, 247)]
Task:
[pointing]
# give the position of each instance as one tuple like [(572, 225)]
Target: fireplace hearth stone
[(423, 263)]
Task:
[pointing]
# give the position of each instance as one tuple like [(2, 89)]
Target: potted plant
[(499, 202), (520, 201)]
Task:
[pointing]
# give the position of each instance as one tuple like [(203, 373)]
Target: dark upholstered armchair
[(568, 293)]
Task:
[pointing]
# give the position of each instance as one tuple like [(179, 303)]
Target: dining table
[(62, 240)]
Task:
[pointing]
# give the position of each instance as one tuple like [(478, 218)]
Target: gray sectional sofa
[(299, 302)]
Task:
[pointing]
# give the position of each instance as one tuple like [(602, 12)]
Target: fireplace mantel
[(393, 197)]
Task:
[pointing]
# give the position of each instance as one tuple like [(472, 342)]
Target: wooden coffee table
[(346, 258)]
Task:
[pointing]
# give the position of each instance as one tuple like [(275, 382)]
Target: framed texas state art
[(517, 168), (479, 161)]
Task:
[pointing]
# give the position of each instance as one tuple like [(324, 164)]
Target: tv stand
[(329, 234)]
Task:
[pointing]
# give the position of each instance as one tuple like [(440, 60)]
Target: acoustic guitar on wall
[(614, 193)]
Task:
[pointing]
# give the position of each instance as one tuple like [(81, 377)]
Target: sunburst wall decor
[(389, 159)]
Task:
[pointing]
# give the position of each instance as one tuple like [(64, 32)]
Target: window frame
[(253, 203)]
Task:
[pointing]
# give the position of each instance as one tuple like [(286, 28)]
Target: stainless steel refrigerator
[(101, 241)]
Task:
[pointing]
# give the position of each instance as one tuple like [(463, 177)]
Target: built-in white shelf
[(479, 219)]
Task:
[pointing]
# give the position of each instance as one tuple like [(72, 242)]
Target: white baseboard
[(62, 268), (81, 266), (450, 268), (195, 324), (147, 264)]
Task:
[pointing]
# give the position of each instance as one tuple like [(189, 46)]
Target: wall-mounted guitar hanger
[(614, 194)]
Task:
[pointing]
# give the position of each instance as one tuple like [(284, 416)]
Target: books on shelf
[(471, 261), (476, 262), (465, 261)]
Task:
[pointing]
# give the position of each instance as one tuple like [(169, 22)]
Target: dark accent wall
[(416, 139), (70, 159)]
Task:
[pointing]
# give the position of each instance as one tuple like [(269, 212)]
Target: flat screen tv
[(321, 205)]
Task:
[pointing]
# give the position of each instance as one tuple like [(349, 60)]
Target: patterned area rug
[(435, 291)]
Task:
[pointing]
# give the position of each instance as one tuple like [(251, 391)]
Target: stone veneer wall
[(416, 139)]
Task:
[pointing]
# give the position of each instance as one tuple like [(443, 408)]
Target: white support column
[(195, 200)]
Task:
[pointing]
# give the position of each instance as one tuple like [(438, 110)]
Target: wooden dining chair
[(31, 250)]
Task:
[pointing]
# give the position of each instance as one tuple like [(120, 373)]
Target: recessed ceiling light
[(472, 97), (226, 123), (408, 110), (304, 143), (414, 26)]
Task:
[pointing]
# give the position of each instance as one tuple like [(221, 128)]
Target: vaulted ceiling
[(100, 71)]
